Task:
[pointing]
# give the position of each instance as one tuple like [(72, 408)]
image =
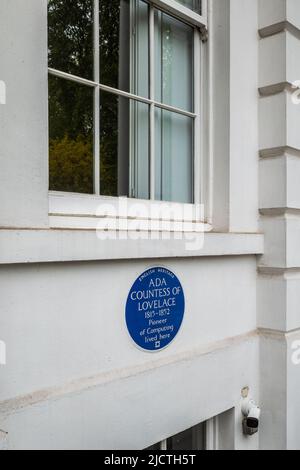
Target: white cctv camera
[(251, 414)]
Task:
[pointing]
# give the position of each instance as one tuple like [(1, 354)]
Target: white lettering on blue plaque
[(155, 309)]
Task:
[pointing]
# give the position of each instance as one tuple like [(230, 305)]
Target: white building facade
[(70, 375)]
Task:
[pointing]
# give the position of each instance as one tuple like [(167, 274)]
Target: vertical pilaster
[(279, 270)]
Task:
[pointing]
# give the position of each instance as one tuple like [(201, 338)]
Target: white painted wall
[(74, 379), (135, 412), (243, 116), (69, 351), (23, 119), (76, 321)]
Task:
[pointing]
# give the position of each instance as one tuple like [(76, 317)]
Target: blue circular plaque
[(155, 309)]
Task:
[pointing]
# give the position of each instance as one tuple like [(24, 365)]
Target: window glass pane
[(174, 61), (182, 441), (154, 447), (192, 439), (174, 157), (124, 154), (194, 5), (123, 46), (70, 36), (70, 136)]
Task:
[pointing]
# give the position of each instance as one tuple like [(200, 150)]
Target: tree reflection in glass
[(70, 136)]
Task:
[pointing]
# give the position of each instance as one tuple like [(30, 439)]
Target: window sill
[(57, 245), (91, 212)]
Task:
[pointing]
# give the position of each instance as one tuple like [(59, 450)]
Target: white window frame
[(209, 441), (186, 14), (199, 22)]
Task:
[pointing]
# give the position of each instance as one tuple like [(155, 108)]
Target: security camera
[(251, 414)]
